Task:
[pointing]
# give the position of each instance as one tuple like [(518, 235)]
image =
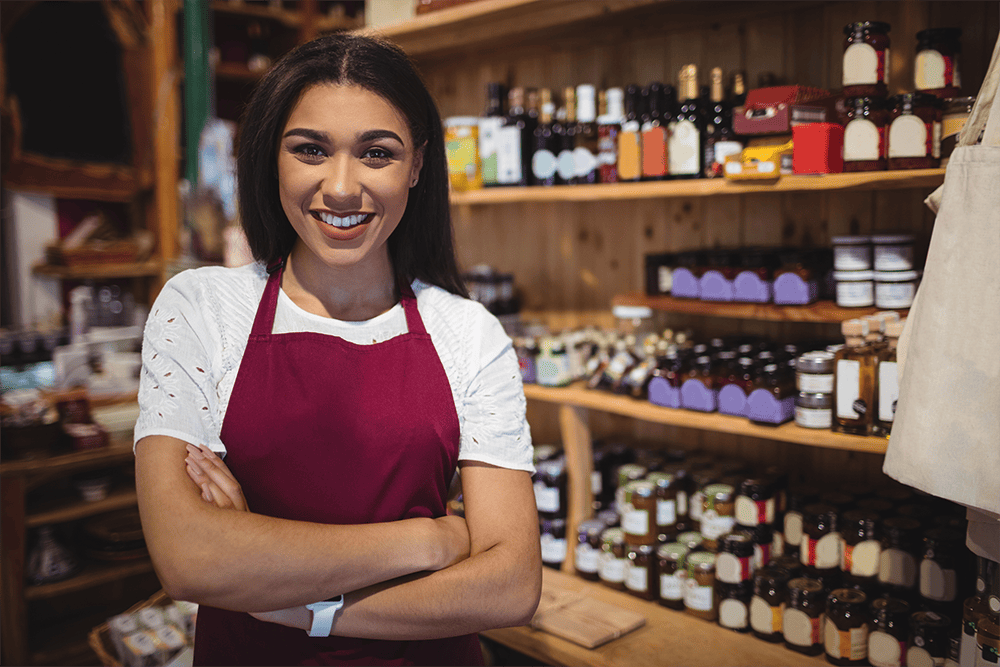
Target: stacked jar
[(866, 111), (893, 282), (550, 480), (814, 381)]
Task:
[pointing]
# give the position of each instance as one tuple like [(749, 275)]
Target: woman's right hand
[(454, 541), (217, 483)]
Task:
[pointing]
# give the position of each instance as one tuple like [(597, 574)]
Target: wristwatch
[(323, 613)]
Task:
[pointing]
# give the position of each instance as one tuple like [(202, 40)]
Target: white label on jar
[(861, 140), (140, 643), (852, 257), (967, 650), (566, 165), (509, 169), (636, 578), (684, 146), (586, 558), (729, 569), (596, 483), (813, 417), (888, 390), (636, 522), (714, 526), (850, 644), (936, 583), (929, 70), (733, 614), (612, 569), (848, 388), (864, 561), (884, 650), (861, 64), (793, 529), (544, 164), (763, 618), (682, 503), (553, 370), (553, 549), (894, 257), (908, 137), (489, 128), (665, 279), (697, 597), (697, 505), (777, 545), (920, 657), (746, 512), (546, 498), (855, 293), (666, 512), (584, 160), (816, 383), (828, 551), (799, 629), (895, 295), (897, 567), (672, 586)]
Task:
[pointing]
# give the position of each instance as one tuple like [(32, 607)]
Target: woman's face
[(346, 162)]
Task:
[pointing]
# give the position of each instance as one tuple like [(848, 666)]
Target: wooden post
[(574, 423), (14, 614), (165, 87)]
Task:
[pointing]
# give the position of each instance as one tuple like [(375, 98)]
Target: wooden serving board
[(583, 620)]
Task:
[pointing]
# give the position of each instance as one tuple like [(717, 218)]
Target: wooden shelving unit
[(93, 574), (73, 510), (821, 312), (101, 271)]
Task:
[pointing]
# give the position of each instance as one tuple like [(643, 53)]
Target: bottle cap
[(586, 109), (854, 328), (895, 329)]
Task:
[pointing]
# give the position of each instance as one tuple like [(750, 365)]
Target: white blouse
[(198, 328)]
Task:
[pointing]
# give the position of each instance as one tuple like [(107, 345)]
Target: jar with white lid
[(895, 289), (852, 253), (814, 372), (855, 289), (635, 321), (893, 252)]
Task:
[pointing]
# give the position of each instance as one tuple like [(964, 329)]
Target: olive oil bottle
[(855, 400)]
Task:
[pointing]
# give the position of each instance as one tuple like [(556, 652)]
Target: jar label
[(636, 578), (894, 257), (888, 390), (654, 151), (777, 545), (629, 152), (793, 529), (546, 498), (813, 417), (714, 526), (509, 171), (884, 650), (816, 383), (898, 568), (799, 628), (607, 146), (936, 141), (855, 294), (895, 295), (910, 136), (489, 129), (585, 161), (849, 389), (596, 483), (937, 583), (761, 555), (553, 549), (699, 598), (863, 140), (861, 560), (847, 644), (754, 512), (612, 569), (666, 512), (553, 370), (732, 569), (933, 70), (636, 523), (544, 164), (863, 65), (684, 147), (733, 614), (586, 558), (697, 505), (672, 586), (664, 279), (764, 618), (920, 657), (682, 503), (823, 553), (566, 165)]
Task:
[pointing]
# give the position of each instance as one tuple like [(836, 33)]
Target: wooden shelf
[(258, 10), (822, 312), (119, 450), (669, 637), (236, 72), (68, 179), (579, 396), (93, 574), (873, 180), (71, 511), (100, 271)]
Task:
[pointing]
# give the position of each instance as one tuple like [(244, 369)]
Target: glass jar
[(866, 58), (893, 252), (864, 134), (696, 505), (671, 567), (792, 523), (734, 563), (791, 564), (821, 541), (553, 540), (526, 349), (936, 70), (944, 553), (897, 570), (461, 136), (855, 289), (699, 586), (613, 558), (734, 605), (852, 253), (718, 516), (987, 641), (890, 632), (755, 503), (692, 540), (666, 504), (801, 621), (587, 557), (640, 572), (915, 132), (845, 637), (639, 513), (770, 595), (550, 488), (861, 549), (814, 372), (929, 643), (628, 472), (956, 113), (762, 537), (895, 289), (552, 365), (814, 410)]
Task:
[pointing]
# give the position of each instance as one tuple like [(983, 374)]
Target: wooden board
[(587, 622)]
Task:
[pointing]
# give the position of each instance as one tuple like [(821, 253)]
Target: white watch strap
[(323, 615)]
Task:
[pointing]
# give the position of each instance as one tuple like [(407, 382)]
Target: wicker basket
[(100, 637)]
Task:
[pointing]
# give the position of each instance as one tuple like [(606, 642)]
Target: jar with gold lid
[(845, 636), (699, 586)]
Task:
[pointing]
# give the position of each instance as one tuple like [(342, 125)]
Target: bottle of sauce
[(654, 133), (845, 637), (720, 140), (546, 144), (566, 159), (890, 632), (586, 151), (687, 131), (609, 125), (854, 381), (630, 138)]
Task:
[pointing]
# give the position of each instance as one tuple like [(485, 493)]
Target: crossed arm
[(410, 579)]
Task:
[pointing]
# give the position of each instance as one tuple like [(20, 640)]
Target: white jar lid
[(851, 240), (455, 121), (852, 276), (892, 239), (895, 276), (632, 312)]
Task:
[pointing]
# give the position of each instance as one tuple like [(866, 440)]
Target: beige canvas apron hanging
[(946, 435)]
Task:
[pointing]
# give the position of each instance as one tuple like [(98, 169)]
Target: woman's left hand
[(217, 483), (293, 617)]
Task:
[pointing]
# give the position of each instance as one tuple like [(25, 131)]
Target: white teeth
[(349, 221)]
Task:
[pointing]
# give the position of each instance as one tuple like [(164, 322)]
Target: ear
[(418, 163)]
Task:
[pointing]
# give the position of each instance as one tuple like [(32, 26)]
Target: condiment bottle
[(640, 572), (672, 570), (770, 595), (845, 637), (721, 141), (820, 549), (888, 380), (553, 542), (860, 550), (566, 158), (866, 58), (854, 381), (613, 558), (609, 125), (515, 141), (734, 562), (928, 643), (654, 133), (734, 605), (630, 137), (890, 632), (944, 555), (666, 504), (687, 130), (587, 556), (699, 587), (639, 513), (586, 149), (717, 517), (550, 488), (802, 619), (898, 564)]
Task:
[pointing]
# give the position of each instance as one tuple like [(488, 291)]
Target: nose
[(340, 182)]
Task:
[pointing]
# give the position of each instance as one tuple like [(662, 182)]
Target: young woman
[(343, 377)]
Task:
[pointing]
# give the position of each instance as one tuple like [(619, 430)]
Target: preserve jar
[(639, 513), (814, 410), (640, 572), (929, 643), (692, 540), (814, 372), (800, 624), (864, 134), (935, 70), (895, 289), (553, 541), (944, 554), (860, 550), (866, 58), (718, 516), (855, 289), (845, 637), (628, 472), (915, 132), (820, 548), (762, 537), (699, 586), (552, 365), (791, 564), (852, 253), (897, 570), (461, 138), (956, 112), (611, 570), (893, 252), (671, 567), (792, 523), (770, 595), (890, 632), (755, 503), (550, 488), (587, 556), (734, 562), (666, 484), (734, 605), (696, 505), (987, 641)]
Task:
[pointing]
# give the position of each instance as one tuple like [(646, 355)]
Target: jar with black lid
[(734, 562), (861, 549), (639, 513), (890, 632), (671, 568), (842, 500), (587, 556), (718, 518), (915, 132), (864, 134), (791, 563), (640, 572), (936, 69), (820, 549), (866, 58), (613, 558), (553, 541), (755, 502), (897, 570), (550, 488), (845, 638), (944, 556), (666, 504), (801, 622), (699, 586), (929, 643), (734, 605), (770, 595)]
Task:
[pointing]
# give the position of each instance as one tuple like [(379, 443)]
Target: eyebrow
[(369, 135)]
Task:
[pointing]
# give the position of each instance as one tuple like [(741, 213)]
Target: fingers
[(215, 480)]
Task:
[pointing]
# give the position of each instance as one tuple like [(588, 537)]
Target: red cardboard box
[(819, 148)]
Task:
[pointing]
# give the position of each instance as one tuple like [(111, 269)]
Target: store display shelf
[(100, 271), (578, 395), (258, 10), (236, 72), (92, 574), (79, 509), (669, 637), (872, 180), (821, 312), (119, 450), (70, 179)]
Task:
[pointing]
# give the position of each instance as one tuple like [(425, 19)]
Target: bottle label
[(666, 512), (509, 171), (546, 498), (672, 586), (863, 140), (544, 164), (816, 383), (720, 151), (793, 529), (849, 390), (813, 417), (861, 560), (921, 657), (553, 370), (764, 618), (799, 628), (863, 65), (731, 569), (898, 568), (937, 583), (612, 569), (847, 644), (636, 522), (629, 155), (654, 151), (714, 526), (754, 512), (697, 505), (733, 614), (489, 144), (636, 578), (699, 598), (586, 558), (682, 503), (566, 165), (761, 555), (585, 161), (934, 70), (884, 650), (553, 549), (823, 553), (596, 483), (888, 390), (683, 148), (910, 136)]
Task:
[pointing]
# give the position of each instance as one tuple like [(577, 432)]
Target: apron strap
[(414, 323), (263, 323)]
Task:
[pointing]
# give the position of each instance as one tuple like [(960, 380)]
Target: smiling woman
[(344, 377)]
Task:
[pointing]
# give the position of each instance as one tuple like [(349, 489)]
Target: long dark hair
[(422, 246)]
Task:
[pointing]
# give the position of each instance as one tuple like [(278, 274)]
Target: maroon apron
[(320, 429)]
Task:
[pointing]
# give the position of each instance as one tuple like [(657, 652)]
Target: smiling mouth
[(345, 222)]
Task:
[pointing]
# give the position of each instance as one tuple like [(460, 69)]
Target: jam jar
[(734, 605), (550, 488), (790, 563), (897, 570), (613, 558), (943, 558), (692, 540), (718, 518), (792, 523), (820, 549), (866, 58), (890, 632), (734, 562), (640, 572), (639, 513), (627, 472), (770, 595), (671, 567), (956, 113), (553, 542), (988, 641), (800, 624), (587, 556), (666, 484), (755, 503), (864, 134), (915, 132), (845, 637), (762, 537), (860, 549), (935, 70), (699, 586), (929, 643)]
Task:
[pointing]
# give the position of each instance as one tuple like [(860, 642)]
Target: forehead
[(345, 110)]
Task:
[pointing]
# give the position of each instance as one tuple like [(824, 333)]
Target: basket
[(100, 637)]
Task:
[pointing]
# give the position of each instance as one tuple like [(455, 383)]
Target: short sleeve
[(177, 397), (495, 428)]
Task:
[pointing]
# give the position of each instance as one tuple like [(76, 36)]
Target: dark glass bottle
[(545, 145), (489, 135), (890, 631), (801, 624), (654, 134), (516, 136), (566, 129), (586, 151), (687, 130), (720, 140)]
